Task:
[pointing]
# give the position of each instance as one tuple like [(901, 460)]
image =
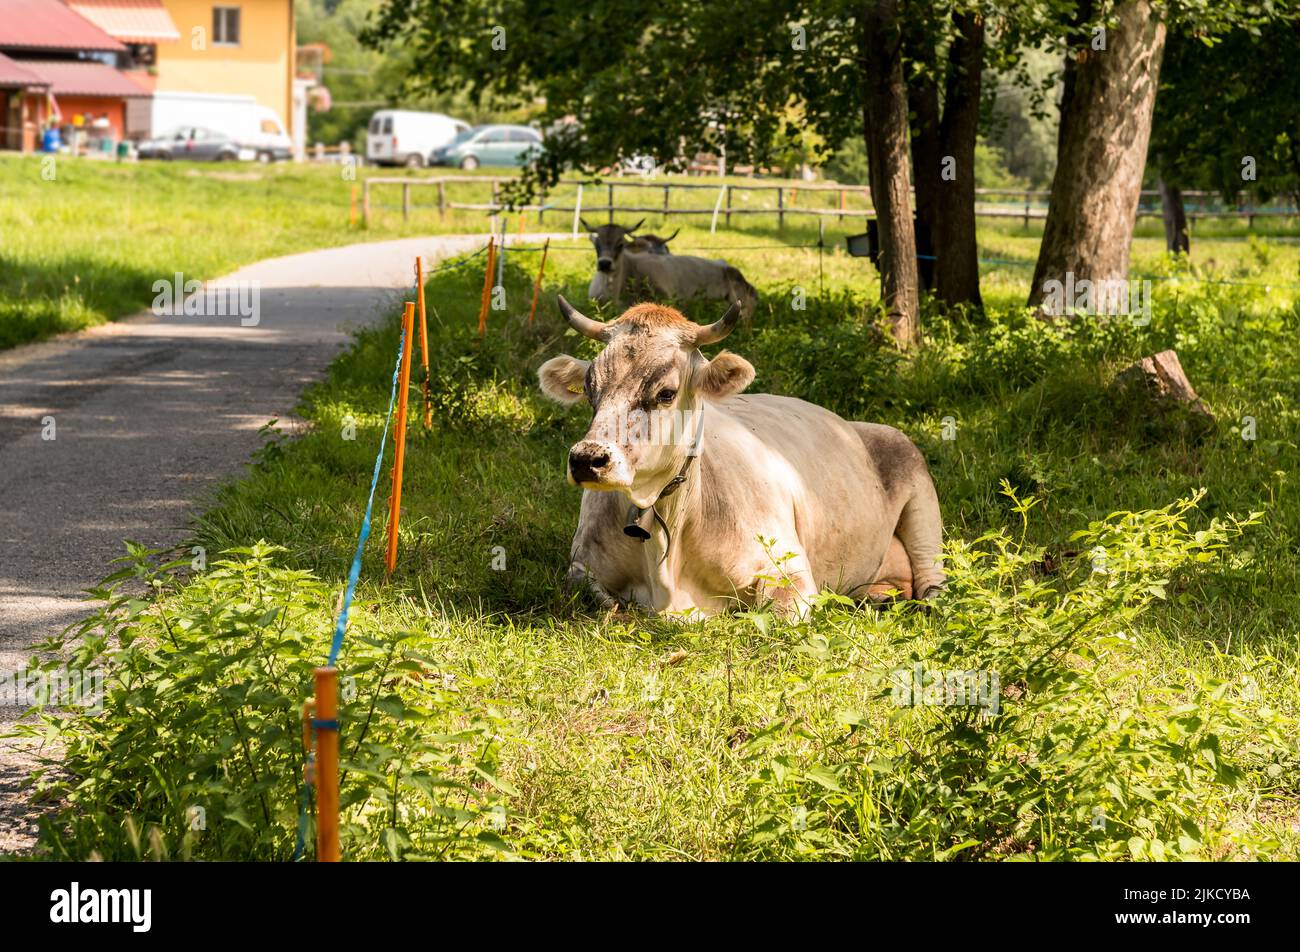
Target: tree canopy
[(1226, 117), (772, 81)]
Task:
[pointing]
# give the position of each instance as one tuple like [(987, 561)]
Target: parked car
[(193, 142), (489, 145), (401, 137), (256, 129)]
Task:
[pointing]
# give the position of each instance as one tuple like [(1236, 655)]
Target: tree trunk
[(1105, 125), (1175, 218), (885, 114), (954, 242), (923, 100), (1075, 38)]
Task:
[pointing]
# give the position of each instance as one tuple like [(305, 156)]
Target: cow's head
[(651, 244), (610, 241), (647, 390)]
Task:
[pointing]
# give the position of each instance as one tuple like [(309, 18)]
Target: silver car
[(193, 143)]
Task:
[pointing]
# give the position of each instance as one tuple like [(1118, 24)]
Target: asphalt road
[(149, 415)]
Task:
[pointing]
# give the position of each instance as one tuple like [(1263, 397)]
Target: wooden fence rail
[(1025, 210)]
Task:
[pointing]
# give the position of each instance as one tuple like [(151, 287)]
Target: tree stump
[(1159, 383)]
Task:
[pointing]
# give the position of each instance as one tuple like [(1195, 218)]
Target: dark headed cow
[(624, 271), (698, 497), (652, 244), (613, 239)]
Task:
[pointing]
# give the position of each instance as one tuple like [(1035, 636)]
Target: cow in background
[(612, 235), (622, 270), (652, 244)]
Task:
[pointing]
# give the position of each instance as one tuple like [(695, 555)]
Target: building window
[(225, 26), (140, 55)]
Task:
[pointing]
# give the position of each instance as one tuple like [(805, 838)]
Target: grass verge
[(1145, 710)]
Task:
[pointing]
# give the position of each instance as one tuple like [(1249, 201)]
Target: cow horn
[(635, 227), (719, 328), (670, 237), (581, 323)]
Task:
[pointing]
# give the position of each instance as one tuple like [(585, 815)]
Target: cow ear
[(724, 376), (563, 378)]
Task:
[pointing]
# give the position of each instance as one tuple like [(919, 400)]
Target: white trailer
[(253, 126)]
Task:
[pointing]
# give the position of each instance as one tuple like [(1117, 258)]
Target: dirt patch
[(20, 815)]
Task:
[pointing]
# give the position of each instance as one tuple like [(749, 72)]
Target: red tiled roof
[(49, 25), (132, 21), (85, 78), (13, 76)]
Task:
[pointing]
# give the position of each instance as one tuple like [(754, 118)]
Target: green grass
[(634, 757), (86, 245), (624, 736)]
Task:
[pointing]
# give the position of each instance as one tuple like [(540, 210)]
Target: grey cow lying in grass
[(699, 497), (624, 271)]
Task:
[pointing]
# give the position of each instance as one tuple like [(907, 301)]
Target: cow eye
[(667, 395)]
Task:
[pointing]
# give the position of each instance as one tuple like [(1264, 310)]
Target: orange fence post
[(352, 209), (537, 285), (327, 766), (399, 437), (424, 340), (487, 286), (523, 217)]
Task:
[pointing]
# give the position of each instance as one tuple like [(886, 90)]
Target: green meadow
[(1127, 574)]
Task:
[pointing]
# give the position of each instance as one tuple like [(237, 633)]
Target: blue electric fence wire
[(340, 627), (1140, 277), (302, 821), (355, 572)]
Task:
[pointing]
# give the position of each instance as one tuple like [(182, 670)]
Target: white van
[(401, 137), (257, 129)]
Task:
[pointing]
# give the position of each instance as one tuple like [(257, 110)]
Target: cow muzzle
[(605, 264), (589, 462)]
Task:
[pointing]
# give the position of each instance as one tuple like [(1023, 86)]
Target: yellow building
[(213, 47), (249, 50)]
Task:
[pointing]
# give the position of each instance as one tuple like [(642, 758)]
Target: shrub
[(197, 751), (1079, 752)]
